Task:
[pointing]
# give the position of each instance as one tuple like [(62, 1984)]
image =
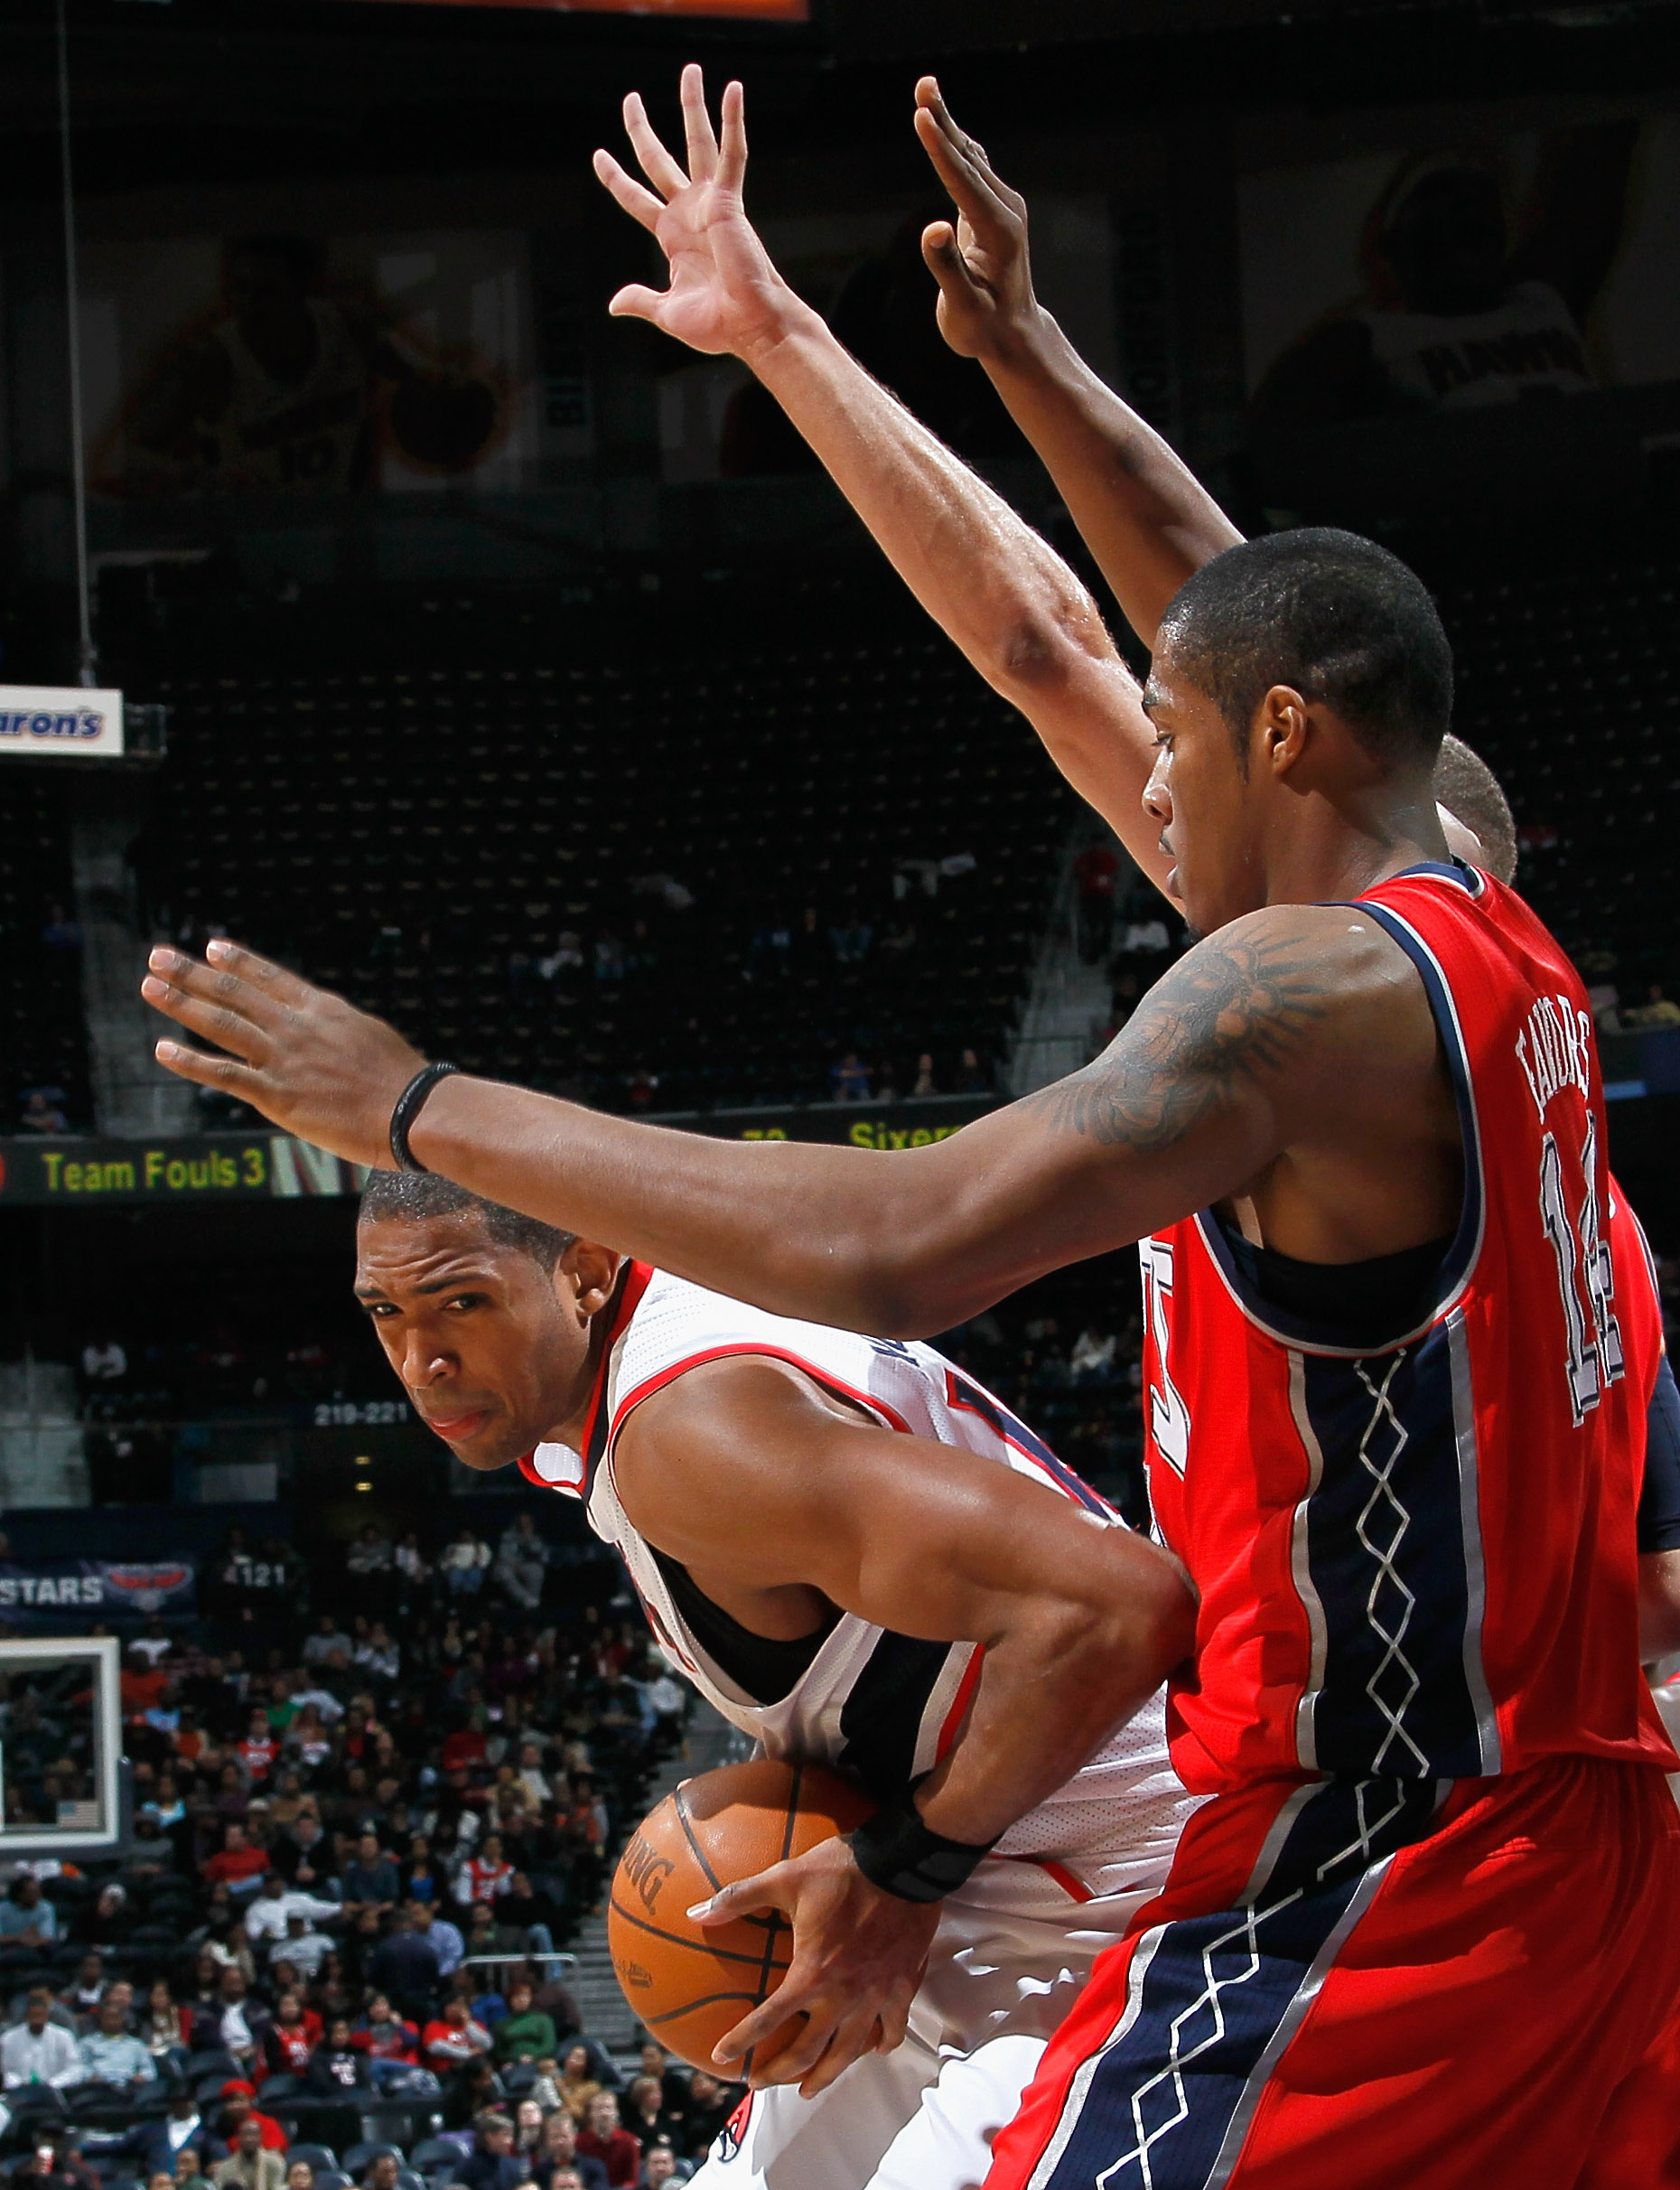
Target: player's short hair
[(1470, 792), (1335, 616), (396, 1195)]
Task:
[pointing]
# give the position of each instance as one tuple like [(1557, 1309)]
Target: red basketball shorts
[(1378, 1985)]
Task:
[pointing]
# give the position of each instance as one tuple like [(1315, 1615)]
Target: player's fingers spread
[(698, 131), (227, 1029), (657, 164), (636, 199), (732, 166)]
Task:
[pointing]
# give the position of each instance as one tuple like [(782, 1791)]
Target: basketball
[(689, 1985)]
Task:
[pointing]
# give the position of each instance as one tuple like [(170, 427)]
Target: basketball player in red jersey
[(1150, 524), (1430, 1924)]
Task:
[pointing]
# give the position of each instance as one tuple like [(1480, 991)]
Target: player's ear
[(588, 1274), (1281, 731)]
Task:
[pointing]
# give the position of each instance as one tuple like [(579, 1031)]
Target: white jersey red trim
[(881, 1706)]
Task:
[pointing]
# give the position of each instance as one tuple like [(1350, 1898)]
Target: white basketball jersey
[(1526, 345), (880, 1707)]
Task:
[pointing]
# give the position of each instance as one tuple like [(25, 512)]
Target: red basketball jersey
[(1419, 1561)]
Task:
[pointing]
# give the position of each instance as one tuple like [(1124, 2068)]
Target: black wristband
[(901, 1855), (408, 1106)]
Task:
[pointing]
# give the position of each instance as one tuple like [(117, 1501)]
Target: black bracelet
[(901, 1855), (408, 1106)]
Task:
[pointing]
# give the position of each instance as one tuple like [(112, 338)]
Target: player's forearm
[(1051, 1690), (1144, 514), (897, 1244), (993, 586)]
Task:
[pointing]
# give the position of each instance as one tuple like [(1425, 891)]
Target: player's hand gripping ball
[(690, 1984)]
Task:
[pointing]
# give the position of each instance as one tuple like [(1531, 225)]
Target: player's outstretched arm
[(1282, 1030), (756, 1479), (1144, 515), (999, 591)]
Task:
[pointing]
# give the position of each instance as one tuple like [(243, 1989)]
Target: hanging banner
[(44, 722)]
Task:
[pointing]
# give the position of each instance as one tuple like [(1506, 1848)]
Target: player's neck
[(574, 1427), (1333, 851)]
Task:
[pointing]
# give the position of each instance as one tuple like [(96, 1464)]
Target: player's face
[(1198, 794), (489, 1346)]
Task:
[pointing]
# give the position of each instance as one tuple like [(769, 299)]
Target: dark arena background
[(531, 684)]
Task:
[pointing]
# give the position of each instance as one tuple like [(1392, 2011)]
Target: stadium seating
[(43, 1039), (425, 838), (1569, 685)]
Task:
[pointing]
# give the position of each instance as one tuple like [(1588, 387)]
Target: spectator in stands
[(153, 2145), (972, 1077), (602, 2138), (647, 2116), (521, 1558), (381, 2172), (404, 1964), (305, 1947), (659, 2167), (267, 1917), (27, 1920), (672, 2085), (328, 1637), (290, 2038), (434, 1926), (38, 2050), (248, 2166), (371, 1879), (44, 1111), (376, 1655), (578, 2083), (453, 2038), (463, 1562), (848, 1078), (485, 1876), (234, 2023), (300, 2176), (924, 1082), (710, 2105), (338, 2063), (110, 2054), (492, 2164), (558, 2154), (239, 2105), (165, 2030), (240, 1867), (525, 2033), (302, 1856), (54, 2163), (104, 1363), (391, 2044)]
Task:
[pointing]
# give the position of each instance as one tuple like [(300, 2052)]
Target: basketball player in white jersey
[(862, 1559)]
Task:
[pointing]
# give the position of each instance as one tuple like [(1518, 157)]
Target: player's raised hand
[(724, 295), (307, 1060), (980, 263), (858, 1956)]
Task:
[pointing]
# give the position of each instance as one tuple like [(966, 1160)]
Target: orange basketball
[(690, 1985)]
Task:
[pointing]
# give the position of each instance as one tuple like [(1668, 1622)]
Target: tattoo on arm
[(1230, 1012)]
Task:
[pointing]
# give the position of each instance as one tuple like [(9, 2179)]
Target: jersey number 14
[(1586, 1276)]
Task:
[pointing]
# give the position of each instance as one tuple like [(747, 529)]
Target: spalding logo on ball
[(689, 1985)]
